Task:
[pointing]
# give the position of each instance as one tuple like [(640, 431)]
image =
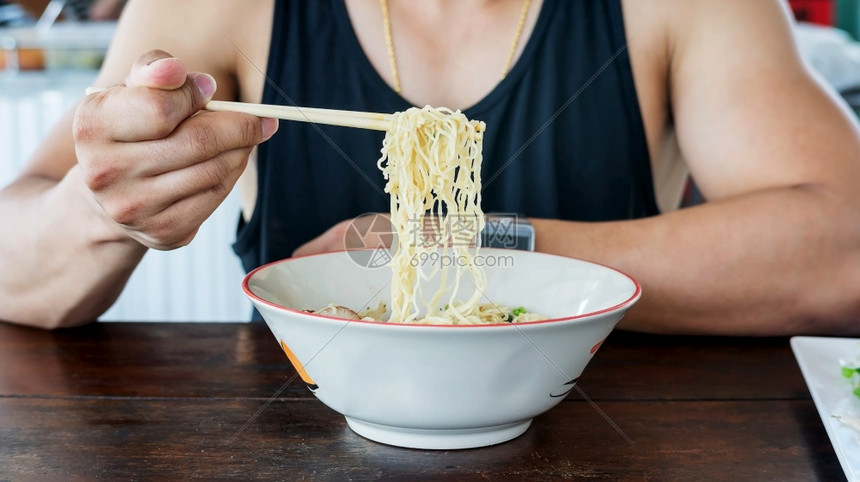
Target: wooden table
[(179, 401)]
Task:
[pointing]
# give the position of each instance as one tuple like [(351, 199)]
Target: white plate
[(819, 360)]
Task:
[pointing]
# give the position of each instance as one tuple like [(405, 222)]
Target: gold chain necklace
[(386, 24)]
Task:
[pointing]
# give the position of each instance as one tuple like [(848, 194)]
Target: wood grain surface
[(220, 401)]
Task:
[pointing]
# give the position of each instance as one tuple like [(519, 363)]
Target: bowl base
[(438, 439)]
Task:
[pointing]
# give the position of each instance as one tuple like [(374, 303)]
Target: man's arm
[(144, 169), (776, 250), (62, 264)]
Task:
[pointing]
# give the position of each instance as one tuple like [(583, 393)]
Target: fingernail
[(162, 60), (206, 85), (270, 126)]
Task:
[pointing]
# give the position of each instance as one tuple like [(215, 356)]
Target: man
[(776, 250)]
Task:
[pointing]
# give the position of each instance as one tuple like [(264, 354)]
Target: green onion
[(857, 391), (849, 372), (518, 311)]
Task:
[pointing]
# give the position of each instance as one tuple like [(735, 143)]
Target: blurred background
[(50, 51)]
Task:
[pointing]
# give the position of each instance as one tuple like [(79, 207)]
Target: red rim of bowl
[(635, 296)]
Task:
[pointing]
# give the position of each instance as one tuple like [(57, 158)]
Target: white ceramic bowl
[(441, 387)]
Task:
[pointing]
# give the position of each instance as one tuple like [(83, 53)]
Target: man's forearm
[(772, 262), (61, 264)]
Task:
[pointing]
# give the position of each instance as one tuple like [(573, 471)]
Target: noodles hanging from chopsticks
[(431, 159)]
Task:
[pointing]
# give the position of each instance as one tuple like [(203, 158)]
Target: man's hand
[(366, 231), (157, 164)]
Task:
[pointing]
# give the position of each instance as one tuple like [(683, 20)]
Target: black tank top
[(564, 136)]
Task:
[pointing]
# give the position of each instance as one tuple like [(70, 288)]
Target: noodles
[(431, 160)]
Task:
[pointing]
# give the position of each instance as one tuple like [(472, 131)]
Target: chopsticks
[(345, 118)]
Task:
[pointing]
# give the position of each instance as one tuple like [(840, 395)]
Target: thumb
[(157, 69), (162, 91)]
